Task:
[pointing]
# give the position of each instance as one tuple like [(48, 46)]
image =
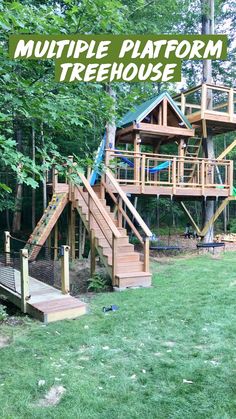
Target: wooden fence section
[(190, 176)]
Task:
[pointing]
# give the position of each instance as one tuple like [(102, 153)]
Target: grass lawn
[(168, 352)]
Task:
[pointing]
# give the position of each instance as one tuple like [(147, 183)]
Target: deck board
[(46, 300)]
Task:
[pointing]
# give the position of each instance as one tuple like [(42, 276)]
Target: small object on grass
[(187, 381), (110, 308)]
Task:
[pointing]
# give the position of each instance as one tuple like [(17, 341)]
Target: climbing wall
[(46, 224)]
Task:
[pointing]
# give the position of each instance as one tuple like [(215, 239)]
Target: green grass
[(131, 363)]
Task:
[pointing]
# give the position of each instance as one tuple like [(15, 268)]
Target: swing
[(168, 247)]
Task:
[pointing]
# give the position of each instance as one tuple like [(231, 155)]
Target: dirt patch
[(52, 397), (4, 341), (80, 273)]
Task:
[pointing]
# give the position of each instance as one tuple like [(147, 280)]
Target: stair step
[(125, 258), (133, 279), (126, 267), (128, 248)]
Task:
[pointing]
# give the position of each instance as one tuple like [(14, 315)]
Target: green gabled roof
[(146, 107)]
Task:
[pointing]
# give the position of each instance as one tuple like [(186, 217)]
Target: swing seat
[(209, 245), (164, 248)]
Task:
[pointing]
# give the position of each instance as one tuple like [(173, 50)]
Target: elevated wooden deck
[(209, 106), (46, 303), (138, 173)]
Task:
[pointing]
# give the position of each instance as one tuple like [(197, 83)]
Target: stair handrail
[(99, 206), (128, 204)]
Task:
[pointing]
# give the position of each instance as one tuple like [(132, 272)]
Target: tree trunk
[(16, 222), (208, 28), (45, 174), (111, 125), (33, 190)]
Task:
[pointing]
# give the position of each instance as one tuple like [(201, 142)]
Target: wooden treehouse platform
[(45, 303), (210, 108)]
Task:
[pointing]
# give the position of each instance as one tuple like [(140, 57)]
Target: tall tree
[(207, 29)]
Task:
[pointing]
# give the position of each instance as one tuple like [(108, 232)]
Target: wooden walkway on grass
[(46, 303)]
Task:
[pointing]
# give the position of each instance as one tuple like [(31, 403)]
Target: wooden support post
[(7, 247), (203, 177), (24, 275), (56, 241), (160, 115), (227, 150), (136, 158), (203, 101), (181, 162), (88, 173), (72, 234), (54, 179), (80, 238), (114, 258), (102, 188), (165, 112), (92, 253), (191, 218), (183, 102), (146, 254), (65, 274), (215, 216)]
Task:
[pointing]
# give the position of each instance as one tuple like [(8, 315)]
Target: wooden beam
[(164, 114), (166, 130), (215, 216), (227, 150), (191, 218), (92, 253), (24, 274)]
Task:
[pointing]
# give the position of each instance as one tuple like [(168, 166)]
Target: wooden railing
[(208, 98), (180, 172), (123, 204), (111, 233)]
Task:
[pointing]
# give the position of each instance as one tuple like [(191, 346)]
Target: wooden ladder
[(192, 151)]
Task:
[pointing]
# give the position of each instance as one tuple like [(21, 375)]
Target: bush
[(232, 226), (97, 283), (3, 313)]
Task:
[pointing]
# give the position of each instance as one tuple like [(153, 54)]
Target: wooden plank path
[(46, 303)]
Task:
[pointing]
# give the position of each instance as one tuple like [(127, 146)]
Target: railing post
[(24, 275), (119, 214), (231, 177), (102, 188), (92, 253), (54, 179), (143, 162), (146, 254), (65, 274), (114, 260), (69, 180), (203, 101), (7, 247), (174, 175)]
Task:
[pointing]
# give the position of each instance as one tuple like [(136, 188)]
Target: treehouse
[(140, 165)]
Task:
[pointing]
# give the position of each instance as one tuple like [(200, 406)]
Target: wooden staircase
[(125, 266), (192, 150), (46, 224)]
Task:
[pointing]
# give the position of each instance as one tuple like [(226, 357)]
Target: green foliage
[(232, 226), (3, 313), (97, 283)]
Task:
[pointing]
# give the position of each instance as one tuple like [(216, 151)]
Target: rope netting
[(10, 271), (44, 267)]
